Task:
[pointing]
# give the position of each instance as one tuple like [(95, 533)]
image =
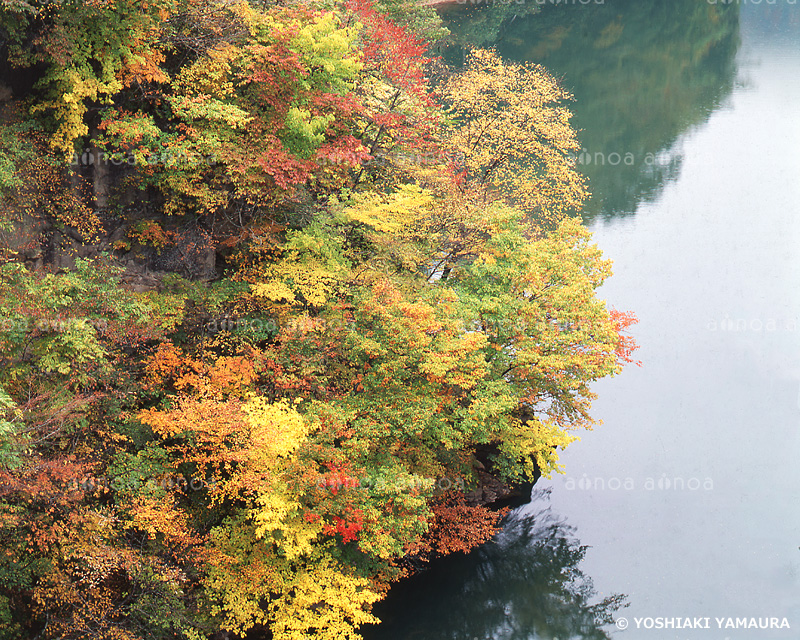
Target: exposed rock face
[(496, 494), (142, 280), (40, 245), (135, 232), (193, 256), (21, 240), (493, 492)]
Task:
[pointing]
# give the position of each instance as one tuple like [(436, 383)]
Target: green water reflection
[(525, 584), (643, 72)]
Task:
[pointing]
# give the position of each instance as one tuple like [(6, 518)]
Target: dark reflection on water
[(643, 72), (526, 584)]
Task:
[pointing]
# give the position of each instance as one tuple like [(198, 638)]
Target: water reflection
[(775, 24), (643, 72), (526, 584)]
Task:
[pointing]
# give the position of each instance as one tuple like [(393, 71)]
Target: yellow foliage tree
[(268, 553), (512, 134), (323, 602)]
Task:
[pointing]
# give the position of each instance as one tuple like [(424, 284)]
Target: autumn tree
[(513, 134), (86, 50)]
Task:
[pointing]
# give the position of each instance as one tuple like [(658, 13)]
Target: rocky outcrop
[(495, 494)]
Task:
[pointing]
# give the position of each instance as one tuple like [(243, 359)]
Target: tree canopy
[(278, 293)]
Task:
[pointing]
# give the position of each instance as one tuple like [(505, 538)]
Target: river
[(687, 499)]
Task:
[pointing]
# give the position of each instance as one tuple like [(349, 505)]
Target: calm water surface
[(687, 498)]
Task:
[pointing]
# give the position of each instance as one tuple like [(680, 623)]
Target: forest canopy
[(279, 295)]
